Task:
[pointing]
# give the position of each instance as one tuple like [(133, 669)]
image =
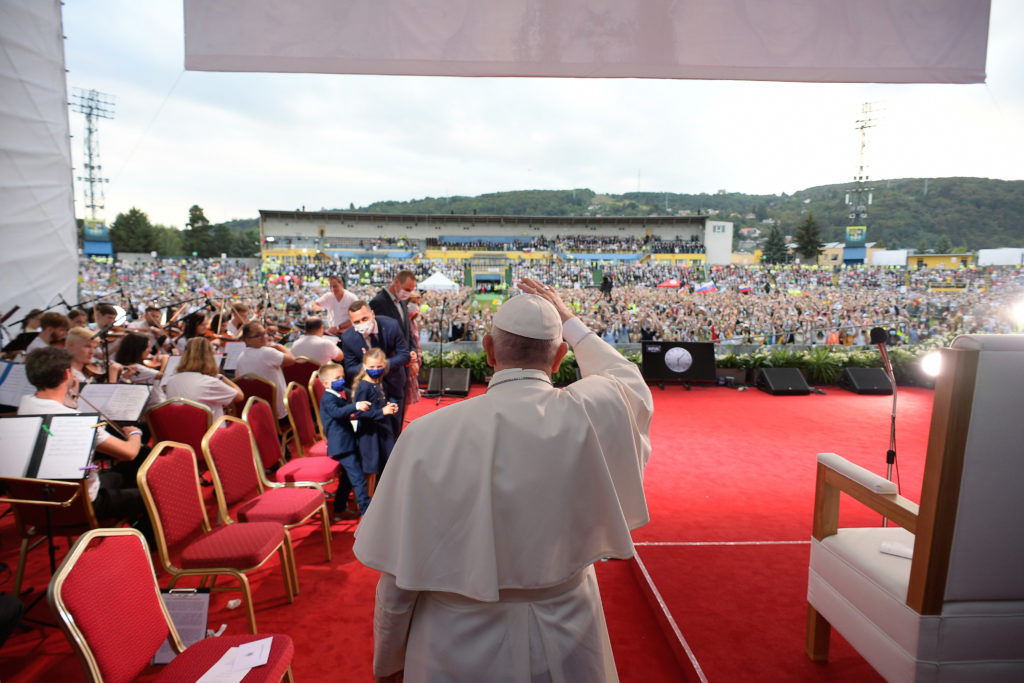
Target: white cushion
[(858, 474)]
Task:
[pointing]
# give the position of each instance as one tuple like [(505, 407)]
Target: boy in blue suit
[(336, 414)]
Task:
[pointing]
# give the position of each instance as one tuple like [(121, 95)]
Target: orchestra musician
[(240, 315), (112, 489), (80, 343), (198, 379), (151, 325), (134, 356), (54, 328)]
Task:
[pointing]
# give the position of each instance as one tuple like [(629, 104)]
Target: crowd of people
[(579, 244), (724, 304)]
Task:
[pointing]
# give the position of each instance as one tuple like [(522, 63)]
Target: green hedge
[(820, 364)]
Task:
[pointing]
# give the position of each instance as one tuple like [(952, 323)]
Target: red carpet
[(727, 466)]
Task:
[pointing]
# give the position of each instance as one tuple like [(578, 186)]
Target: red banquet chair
[(180, 420), (261, 387), (316, 470), (300, 371), (188, 546), (243, 489), (307, 442), (316, 392), (107, 600)]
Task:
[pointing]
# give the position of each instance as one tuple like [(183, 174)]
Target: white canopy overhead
[(883, 41), (38, 245), (437, 283)]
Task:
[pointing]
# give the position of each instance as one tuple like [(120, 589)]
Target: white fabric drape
[(885, 41), (38, 244)]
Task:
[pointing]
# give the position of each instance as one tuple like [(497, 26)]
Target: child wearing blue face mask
[(374, 434), (336, 414)]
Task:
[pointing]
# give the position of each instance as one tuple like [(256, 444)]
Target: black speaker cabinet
[(783, 382), (865, 381), (456, 381)]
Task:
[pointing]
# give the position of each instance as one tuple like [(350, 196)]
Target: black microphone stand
[(880, 337), (440, 339)]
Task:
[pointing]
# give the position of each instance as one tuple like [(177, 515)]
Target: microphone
[(879, 335)]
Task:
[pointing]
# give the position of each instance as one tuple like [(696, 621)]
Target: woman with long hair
[(198, 379)]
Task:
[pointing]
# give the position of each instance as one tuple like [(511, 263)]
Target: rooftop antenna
[(95, 105)]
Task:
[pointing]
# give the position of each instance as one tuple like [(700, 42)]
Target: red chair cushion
[(284, 506), (235, 546), (318, 469), (197, 660), (317, 450)]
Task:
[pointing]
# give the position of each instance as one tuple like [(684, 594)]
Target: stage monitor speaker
[(783, 382), (865, 381), (456, 381)]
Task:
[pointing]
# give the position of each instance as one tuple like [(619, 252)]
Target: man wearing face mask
[(368, 331), (392, 302)]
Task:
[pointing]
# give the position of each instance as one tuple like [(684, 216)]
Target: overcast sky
[(237, 143)]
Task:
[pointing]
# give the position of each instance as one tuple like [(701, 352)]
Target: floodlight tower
[(95, 105), (858, 198)]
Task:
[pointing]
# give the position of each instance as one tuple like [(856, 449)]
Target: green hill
[(976, 213)]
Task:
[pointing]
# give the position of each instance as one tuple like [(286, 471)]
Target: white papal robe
[(490, 515)]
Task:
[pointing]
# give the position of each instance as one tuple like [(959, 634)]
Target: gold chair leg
[(19, 573), (250, 612), (325, 522), (290, 558), (288, 675), (286, 574), (819, 634)]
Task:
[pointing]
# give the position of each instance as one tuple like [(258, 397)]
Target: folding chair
[(261, 387), (300, 371), (108, 603), (316, 392), (188, 546), (300, 417)]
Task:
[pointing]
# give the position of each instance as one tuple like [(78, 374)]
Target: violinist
[(195, 325), (78, 318), (81, 345), (112, 490), (55, 328), (151, 325), (240, 315), (133, 355), (198, 379), (103, 315)]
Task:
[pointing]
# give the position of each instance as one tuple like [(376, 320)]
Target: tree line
[(132, 232)]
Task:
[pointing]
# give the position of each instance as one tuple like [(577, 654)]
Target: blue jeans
[(352, 478)]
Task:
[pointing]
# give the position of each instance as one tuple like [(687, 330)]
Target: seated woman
[(131, 356), (198, 379)]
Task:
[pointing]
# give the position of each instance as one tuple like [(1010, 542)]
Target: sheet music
[(68, 446), (232, 350), (18, 435), (13, 383), (119, 402), (189, 611), (172, 366)]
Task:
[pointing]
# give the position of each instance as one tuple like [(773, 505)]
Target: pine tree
[(132, 232), (808, 239), (775, 246)]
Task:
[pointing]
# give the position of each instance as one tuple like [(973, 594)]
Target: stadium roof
[(478, 218)]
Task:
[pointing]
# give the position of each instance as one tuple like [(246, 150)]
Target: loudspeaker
[(456, 381), (783, 382), (865, 381)]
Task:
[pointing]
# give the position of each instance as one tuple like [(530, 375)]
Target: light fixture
[(1018, 314), (931, 363)]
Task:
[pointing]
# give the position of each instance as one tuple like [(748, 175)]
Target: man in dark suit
[(367, 331), (390, 302)]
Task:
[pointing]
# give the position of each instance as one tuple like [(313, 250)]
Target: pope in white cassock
[(491, 512)]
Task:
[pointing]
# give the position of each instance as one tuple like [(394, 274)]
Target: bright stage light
[(1018, 314), (931, 363)]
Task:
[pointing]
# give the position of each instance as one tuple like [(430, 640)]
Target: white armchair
[(955, 611)]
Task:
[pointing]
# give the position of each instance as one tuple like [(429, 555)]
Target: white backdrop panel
[(885, 41), (38, 244)]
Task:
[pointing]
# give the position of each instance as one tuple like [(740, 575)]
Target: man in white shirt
[(336, 304), (53, 328), (113, 495), (314, 345), (239, 317), (261, 358), (491, 512)]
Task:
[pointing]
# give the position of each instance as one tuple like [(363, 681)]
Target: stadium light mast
[(95, 105), (858, 198)]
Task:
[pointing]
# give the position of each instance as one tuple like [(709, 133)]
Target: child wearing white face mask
[(374, 436)]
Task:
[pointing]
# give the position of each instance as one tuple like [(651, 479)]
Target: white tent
[(437, 283)]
